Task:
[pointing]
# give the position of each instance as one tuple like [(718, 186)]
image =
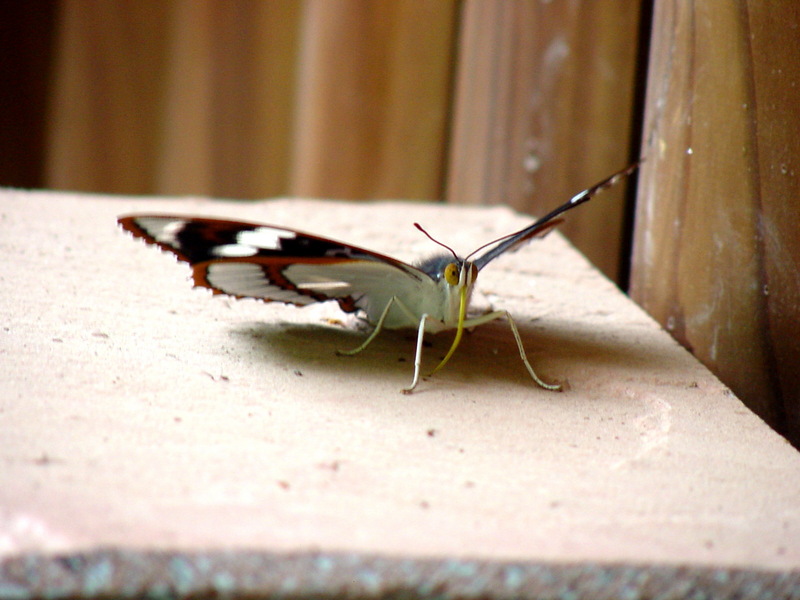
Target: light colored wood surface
[(139, 414)]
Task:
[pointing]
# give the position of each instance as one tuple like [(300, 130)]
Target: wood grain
[(229, 98), (373, 99), (717, 250), (183, 98), (250, 99), (103, 122), (544, 105)]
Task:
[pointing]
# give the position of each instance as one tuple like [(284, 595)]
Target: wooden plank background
[(717, 250), (544, 107), (472, 102)]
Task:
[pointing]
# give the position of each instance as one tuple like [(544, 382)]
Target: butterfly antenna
[(495, 241), (435, 241)]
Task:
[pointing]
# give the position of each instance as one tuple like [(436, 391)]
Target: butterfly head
[(460, 274), (454, 275), (455, 272), (459, 278), (456, 278)]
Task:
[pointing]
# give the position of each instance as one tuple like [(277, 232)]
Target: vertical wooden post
[(544, 103), (228, 98), (373, 97), (104, 116), (717, 245), (186, 97)]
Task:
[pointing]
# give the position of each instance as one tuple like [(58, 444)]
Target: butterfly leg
[(379, 326), (499, 314), (373, 335), (417, 355)]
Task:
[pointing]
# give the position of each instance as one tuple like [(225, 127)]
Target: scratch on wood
[(654, 427)]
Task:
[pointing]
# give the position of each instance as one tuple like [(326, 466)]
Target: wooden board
[(143, 419)]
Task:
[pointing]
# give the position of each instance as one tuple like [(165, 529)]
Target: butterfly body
[(273, 263)]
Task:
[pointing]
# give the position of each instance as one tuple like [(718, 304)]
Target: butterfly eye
[(451, 274)]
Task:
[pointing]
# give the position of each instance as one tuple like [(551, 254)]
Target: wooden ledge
[(142, 419)]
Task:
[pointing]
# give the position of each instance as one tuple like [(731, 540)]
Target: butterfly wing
[(541, 226), (250, 260)]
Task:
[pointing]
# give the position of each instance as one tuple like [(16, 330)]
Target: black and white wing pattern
[(251, 260)]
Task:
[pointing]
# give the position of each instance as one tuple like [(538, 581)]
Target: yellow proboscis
[(462, 313)]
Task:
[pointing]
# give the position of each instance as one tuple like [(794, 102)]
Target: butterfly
[(272, 263)]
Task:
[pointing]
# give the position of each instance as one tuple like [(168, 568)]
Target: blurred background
[(519, 102), (353, 99)]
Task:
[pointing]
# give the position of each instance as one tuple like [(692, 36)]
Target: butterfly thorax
[(434, 290)]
